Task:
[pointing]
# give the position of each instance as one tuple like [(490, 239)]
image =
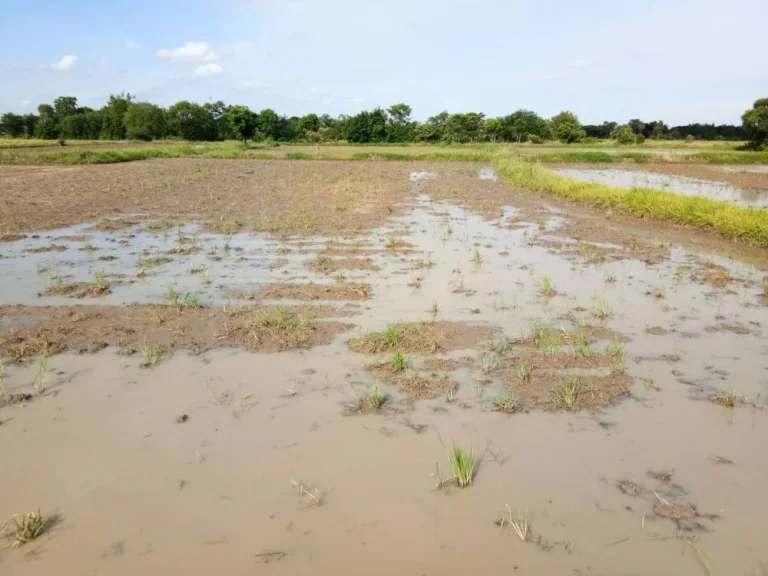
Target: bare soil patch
[(328, 265), (422, 338), (544, 389), (77, 290), (51, 248), (342, 291), (416, 386), (446, 364), (29, 330), (656, 330), (734, 328)]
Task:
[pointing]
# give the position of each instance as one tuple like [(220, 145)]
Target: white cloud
[(190, 52), (207, 70), (579, 63), (65, 63), (132, 44)]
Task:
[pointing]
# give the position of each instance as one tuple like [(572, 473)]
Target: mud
[(102, 442)]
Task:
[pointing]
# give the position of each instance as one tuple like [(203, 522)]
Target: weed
[(463, 463), (634, 242), (681, 272), (2, 378), (26, 527), (150, 356), (545, 287), (610, 277), (391, 335), (339, 276), (503, 402), (524, 372), (393, 242), (600, 307), (477, 258), (191, 300), (565, 395), (315, 498), (399, 361), (581, 342), (725, 398)]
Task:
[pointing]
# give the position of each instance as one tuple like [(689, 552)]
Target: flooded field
[(201, 396), (685, 185)]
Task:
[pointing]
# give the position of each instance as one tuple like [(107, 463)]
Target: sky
[(681, 61)]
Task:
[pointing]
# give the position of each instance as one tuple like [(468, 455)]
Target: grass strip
[(728, 220)]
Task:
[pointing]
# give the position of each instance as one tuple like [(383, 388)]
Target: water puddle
[(422, 175), (487, 174), (757, 169), (678, 184)]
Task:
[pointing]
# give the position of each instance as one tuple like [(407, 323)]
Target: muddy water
[(138, 492), (677, 184)]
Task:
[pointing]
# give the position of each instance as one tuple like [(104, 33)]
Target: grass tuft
[(399, 361), (566, 395), (503, 402), (463, 464), (725, 398), (25, 528)]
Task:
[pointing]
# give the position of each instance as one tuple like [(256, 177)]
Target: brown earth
[(446, 364), (342, 291), (28, 330), (542, 389), (422, 338), (328, 265)]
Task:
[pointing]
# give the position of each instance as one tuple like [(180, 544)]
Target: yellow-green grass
[(728, 220)]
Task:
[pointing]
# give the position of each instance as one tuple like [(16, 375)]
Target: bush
[(689, 139), (623, 135), (535, 139), (639, 139), (61, 142), (590, 140)]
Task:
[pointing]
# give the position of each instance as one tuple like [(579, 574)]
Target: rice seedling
[(313, 497), (538, 331), (542, 224), (150, 355), (204, 277), (100, 278), (634, 242), (551, 342), (616, 347), (44, 267), (172, 297), (610, 277), (141, 268), (375, 396), (373, 400), (279, 318), (88, 247), (659, 293), (616, 350), (502, 345), (520, 523), (391, 335), (339, 276), (463, 464), (477, 258), (725, 397), (600, 307), (42, 371), (434, 310), (566, 395), (416, 281), (503, 402), (580, 343), (24, 528), (681, 272), (524, 372), (545, 287), (399, 361), (191, 300), (227, 247), (393, 242), (488, 362)]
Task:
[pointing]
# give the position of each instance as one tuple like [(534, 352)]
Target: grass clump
[(727, 398), (566, 395), (463, 464), (399, 361), (149, 356), (726, 219), (503, 402), (545, 287), (24, 528), (600, 307)]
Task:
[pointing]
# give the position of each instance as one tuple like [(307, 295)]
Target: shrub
[(535, 139), (689, 139), (61, 142), (623, 135), (640, 139)]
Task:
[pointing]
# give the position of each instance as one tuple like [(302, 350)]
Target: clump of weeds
[(488, 362), (393, 242), (24, 528), (524, 372), (373, 400), (566, 395), (310, 497), (150, 355), (477, 258), (634, 242), (42, 371), (399, 361), (503, 402), (727, 398)]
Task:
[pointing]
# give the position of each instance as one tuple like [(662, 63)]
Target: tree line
[(122, 117)]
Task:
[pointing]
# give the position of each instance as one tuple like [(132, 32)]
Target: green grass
[(565, 396), (503, 402), (545, 287), (150, 356), (399, 361), (726, 398), (726, 219)]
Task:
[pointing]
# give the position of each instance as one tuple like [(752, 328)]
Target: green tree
[(367, 126), (308, 123), (64, 106), (74, 127), (30, 123), (113, 116), (519, 125), (659, 130), (636, 126), (243, 122), (755, 123), (567, 128), (623, 135), (399, 123), (269, 124), (493, 128), (46, 127), (145, 121), (12, 125), (433, 130), (191, 121), (463, 127)]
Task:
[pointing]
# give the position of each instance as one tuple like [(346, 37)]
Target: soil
[(343, 291), (656, 330), (51, 248), (446, 364), (330, 265), (416, 386), (594, 392), (423, 338), (85, 329)]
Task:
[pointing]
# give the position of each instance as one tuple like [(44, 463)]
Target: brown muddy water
[(684, 185), (193, 465)]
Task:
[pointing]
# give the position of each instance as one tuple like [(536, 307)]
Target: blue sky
[(677, 60)]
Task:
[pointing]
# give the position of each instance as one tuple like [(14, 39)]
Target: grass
[(477, 258), (399, 361), (524, 372), (566, 395), (100, 279), (727, 220), (42, 371), (25, 527), (2, 378), (488, 362), (519, 523), (600, 307), (580, 343), (503, 402)]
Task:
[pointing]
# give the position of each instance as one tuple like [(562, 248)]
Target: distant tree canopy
[(122, 117), (755, 123)]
